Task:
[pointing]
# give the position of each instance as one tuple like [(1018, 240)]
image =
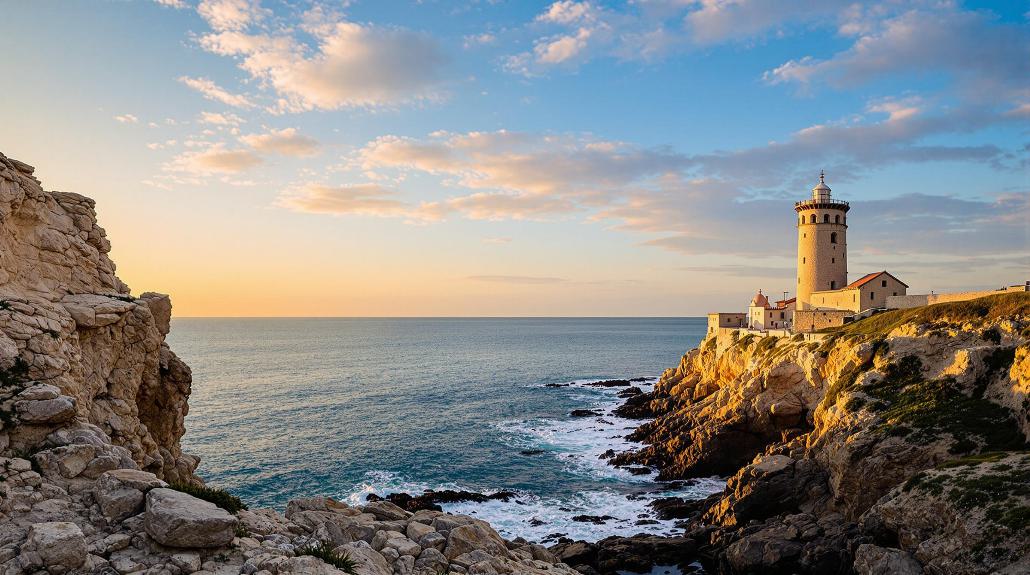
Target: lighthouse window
[(833, 238), (811, 219), (826, 218), (836, 219), (802, 260), (833, 260), (833, 285)]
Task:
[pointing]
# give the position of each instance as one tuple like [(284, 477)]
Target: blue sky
[(524, 158)]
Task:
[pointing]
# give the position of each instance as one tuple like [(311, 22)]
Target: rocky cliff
[(92, 405), (897, 444)]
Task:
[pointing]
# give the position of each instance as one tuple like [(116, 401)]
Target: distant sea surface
[(284, 408)]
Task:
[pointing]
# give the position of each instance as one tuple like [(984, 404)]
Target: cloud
[(359, 199), (476, 40), (216, 119), (350, 64), (733, 20), (127, 119), (285, 142), (212, 91), (177, 4), (231, 14), (215, 159), (984, 56), (518, 280)]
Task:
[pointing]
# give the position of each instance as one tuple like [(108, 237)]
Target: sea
[(347, 407)]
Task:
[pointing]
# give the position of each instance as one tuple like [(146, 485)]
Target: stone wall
[(917, 300), (814, 320)]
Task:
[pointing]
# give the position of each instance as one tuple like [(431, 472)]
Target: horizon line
[(439, 317)]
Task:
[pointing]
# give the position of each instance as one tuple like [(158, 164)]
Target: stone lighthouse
[(822, 244)]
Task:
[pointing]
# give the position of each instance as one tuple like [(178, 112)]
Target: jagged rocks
[(120, 493), (59, 545), (176, 519), (873, 560)]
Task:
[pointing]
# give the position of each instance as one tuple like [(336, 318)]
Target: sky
[(517, 158)]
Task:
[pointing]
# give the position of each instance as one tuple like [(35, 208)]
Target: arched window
[(833, 238), (836, 219), (812, 219), (826, 218), (833, 285)]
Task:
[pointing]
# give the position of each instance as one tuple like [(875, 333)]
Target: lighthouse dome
[(821, 191)]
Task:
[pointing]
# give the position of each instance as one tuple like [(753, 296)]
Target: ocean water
[(283, 408)]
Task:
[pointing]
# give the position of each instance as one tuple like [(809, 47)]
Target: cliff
[(92, 408), (897, 444)]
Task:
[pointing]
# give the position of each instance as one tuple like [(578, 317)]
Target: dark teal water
[(283, 408)]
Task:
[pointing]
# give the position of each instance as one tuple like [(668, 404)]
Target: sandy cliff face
[(859, 451), (70, 329)]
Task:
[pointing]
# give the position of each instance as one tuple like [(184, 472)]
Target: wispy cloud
[(126, 119), (360, 199), (988, 58), (285, 142), (212, 91), (518, 280), (215, 159)]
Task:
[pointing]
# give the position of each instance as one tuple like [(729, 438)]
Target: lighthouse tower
[(822, 244)]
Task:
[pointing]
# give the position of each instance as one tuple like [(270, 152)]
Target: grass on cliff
[(324, 551), (1003, 492), (984, 309), (923, 410), (219, 497)]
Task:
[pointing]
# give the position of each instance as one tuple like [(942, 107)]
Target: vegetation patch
[(5, 305), (14, 377), (923, 410), (766, 343), (847, 379), (219, 497), (980, 310), (324, 551)]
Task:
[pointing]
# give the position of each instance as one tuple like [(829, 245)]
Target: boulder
[(875, 560), (46, 411), (369, 562), (177, 519), (120, 492), (39, 392), (473, 536), (59, 544), (67, 461)]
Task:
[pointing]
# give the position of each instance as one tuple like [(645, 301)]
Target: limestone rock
[(473, 536), (46, 411), (59, 544), (177, 519), (121, 492)]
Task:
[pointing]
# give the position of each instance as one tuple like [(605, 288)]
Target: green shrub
[(219, 497), (324, 551)]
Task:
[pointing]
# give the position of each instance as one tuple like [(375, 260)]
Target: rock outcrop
[(895, 444), (92, 407)]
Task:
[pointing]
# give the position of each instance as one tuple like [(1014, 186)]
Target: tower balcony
[(821, 205)]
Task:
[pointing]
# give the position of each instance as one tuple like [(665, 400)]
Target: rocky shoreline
[(896, 446)]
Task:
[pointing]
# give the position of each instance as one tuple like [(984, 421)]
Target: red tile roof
[(870, 277), (784, 302)]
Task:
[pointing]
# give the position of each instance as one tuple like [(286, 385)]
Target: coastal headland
[(895, 444)]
